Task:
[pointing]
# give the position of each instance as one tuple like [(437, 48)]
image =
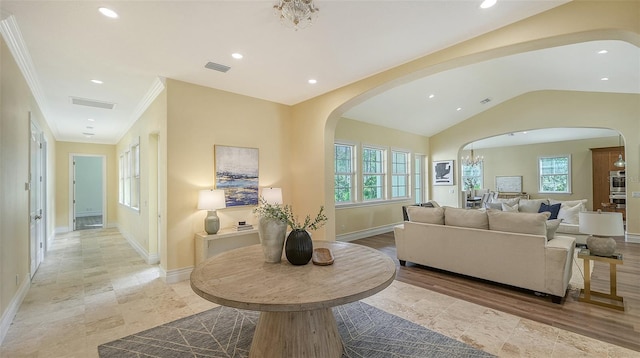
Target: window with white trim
[(345, 173), (472, 176), (121, 183), (373, 173), (400, 175), (135, 176), (129, 176), (419, 175), (554, 174)]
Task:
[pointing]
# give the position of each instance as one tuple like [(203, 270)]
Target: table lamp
[(272, 196), (601, 226), (211, 200)]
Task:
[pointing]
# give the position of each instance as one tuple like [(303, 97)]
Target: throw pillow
[(570, 215), (510, 208), (495, 206), (475, 219), (426, 215), (552, 226), (510, 202), (531, 205), (570, 203), (553, 209)]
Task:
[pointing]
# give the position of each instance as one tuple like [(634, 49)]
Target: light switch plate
[(635, 194)]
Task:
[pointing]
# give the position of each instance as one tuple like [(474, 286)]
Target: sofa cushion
[(531, 205), (524, 223), (552, 227), (421, 214), (570, 214), (476, 219), (554, 209), (510, 208)]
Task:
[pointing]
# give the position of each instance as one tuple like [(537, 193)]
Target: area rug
[(577, 274), (227, 332)]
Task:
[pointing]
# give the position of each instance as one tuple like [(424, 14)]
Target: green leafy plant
[(285, 213)]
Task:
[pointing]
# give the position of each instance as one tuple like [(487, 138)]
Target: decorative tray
[(322, 256)]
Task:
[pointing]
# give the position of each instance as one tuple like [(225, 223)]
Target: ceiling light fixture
[(604, 79), (431, 96), (312, 81), (620, 163), (237, 56), (472, 161), (602, 52), (108, 12), (97, 82), (91, 119), (459, 109), (297, 14), (488, 3)]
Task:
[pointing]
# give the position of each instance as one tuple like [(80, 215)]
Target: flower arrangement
[(285, 213)]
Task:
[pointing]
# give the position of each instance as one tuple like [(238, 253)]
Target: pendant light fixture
[(620, 163)]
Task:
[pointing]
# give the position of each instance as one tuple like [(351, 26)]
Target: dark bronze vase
[(299, 247)]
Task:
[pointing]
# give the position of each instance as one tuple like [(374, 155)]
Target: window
[(129, 177), (344, 155), (135, 177), (373, 173), (121, 183), (399, 174), (419, 176), (472, 176), (555, 174)]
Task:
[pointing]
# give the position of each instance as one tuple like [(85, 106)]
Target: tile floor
[(93, 288)]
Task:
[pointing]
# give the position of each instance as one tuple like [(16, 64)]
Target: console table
[(615, 301), (225, 240), (296, 319)]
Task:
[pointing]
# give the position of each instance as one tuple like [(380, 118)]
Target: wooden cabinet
[(602, 165)]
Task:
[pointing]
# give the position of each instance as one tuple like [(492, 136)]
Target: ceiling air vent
[(92, 103), (217, 67), (485, 101)]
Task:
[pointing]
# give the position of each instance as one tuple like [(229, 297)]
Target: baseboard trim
[(14, 306), (175, 276), (634, 238), (150, 259), (62, 229), (365, 233)]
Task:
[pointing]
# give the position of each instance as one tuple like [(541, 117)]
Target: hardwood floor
[(620, 328)]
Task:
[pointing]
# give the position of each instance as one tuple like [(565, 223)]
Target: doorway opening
[(88, 195)]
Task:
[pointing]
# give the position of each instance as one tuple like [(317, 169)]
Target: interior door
[(36, 228)]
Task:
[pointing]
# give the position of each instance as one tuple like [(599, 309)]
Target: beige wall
[(370, 216), (522, 160), (141, 226), (63, 152), (16, 102), (199, 118), (574, 22)]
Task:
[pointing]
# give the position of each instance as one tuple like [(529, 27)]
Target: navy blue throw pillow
[(553, 209)]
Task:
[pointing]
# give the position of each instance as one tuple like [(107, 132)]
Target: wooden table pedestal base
[(297, 334)]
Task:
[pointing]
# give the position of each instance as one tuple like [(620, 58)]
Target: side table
[(588, 295)]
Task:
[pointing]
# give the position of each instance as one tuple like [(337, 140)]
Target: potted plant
[(272, 229), (299, 246)]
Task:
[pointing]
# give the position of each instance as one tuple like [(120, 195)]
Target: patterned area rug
[(227, 332)]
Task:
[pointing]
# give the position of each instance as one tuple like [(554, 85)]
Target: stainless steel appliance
[(618, 189)]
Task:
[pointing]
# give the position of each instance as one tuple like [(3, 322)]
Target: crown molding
[(13, 37), (156, 88)]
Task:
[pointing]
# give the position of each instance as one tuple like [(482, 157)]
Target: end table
[(588, 295)]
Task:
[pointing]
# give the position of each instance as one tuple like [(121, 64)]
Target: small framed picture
[(443, 172)]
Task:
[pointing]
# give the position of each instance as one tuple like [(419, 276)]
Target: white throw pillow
[(570, 214), (510, 208), (531, 205), (509, 202)]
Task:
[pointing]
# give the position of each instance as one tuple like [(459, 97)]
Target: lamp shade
[(272, 195), (601, 223), (212, 199)]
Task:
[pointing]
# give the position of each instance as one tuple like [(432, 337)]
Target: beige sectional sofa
[(504, 247), (568, 213)]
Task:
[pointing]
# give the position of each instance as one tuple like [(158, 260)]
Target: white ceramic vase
[(272, 233)]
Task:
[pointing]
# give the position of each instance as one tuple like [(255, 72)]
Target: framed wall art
[(237, 174), (443, 172), (509, 184)]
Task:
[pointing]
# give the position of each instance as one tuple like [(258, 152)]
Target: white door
[(36, 200)]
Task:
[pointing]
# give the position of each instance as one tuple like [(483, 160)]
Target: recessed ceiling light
[(108, 12), (459, 109), (488, 3), (431, 96), (602, 52), (604, 79), (312, 81), (237, 56), (87, 134), (524, 132), (97, 82), (91, 120)]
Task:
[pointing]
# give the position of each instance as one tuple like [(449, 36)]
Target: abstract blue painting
[(237, 174)]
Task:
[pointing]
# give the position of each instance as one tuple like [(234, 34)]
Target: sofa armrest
[(398, 233), (559, 264)]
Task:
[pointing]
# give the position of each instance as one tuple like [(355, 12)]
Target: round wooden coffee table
[(295, 302)]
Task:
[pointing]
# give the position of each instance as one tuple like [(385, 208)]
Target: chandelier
[(472, 161), (296, 13)]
